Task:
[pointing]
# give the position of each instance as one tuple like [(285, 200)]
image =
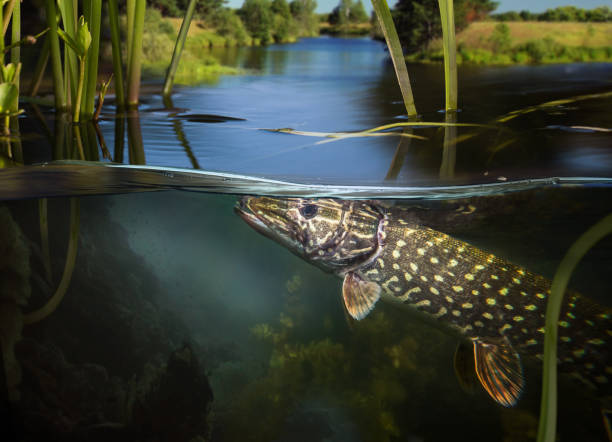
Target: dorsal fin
[(359, 295), (499, 369), (463, 363)]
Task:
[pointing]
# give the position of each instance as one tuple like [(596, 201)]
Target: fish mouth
[(268, 216), (247, 208), (245, 212)]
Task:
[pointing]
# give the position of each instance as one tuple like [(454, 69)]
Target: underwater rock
[(14, 292), (61, 400), (11, 323), (14, 261), (174, 403)]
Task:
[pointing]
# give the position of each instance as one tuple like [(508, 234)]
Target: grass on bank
[(490, 42), (196, 66)]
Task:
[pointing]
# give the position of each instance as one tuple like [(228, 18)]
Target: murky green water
[(179, 322)]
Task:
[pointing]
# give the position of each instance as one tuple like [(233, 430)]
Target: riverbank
[(490, 42)]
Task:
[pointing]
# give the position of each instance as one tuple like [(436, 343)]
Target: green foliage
[(418, 21), (348, 11), (562, 13), (8, 94), (155, 22), (229, 25), (306, 21), (176, 8), (500, 38), (258, 19)]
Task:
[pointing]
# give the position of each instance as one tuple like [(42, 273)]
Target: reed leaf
[(113, 18), (397, 55), (93, 17), (135, 51), (16, 39), (56, 62), (178, 48), (548, 407), (68, 13), (6, 17), (447, 16)]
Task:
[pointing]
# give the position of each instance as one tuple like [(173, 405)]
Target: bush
[(154, 22), (500, 38), (229, 25), (258, 19)]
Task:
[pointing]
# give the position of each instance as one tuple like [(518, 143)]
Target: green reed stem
[(548, 407), (68, 11), (395, 50), (130, 8), (6, 17), (134, 135), (56, 62), (135, 60), (178, 48), (447, 16), (113, 18), (16, 34), (57, 297), (77, 102), (16, 50), (93, 18)]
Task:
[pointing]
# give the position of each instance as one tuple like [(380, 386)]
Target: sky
[(504, 5)]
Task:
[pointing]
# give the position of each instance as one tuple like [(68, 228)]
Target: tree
[(358, 13), (257, 17), (418, 21), (306, 21)]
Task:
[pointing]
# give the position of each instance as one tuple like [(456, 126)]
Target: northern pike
[(497, 307)]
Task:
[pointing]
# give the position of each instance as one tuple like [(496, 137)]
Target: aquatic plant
[(395, 50), (113, 19), (135, 28), (447, 15), (80, 45), (56, 299), (178, 49), (548, 408)]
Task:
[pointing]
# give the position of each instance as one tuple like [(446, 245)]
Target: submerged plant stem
[(44, 236), (57, 297), (397, 56), (548, 408), (178, 48)]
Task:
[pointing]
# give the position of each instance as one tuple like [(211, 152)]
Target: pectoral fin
[(359, 295), (463, 364), (499, 369)]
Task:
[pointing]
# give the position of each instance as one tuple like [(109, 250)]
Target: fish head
[(329, 233)]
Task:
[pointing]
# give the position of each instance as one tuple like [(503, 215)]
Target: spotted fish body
[(494, 304), (480, 295)]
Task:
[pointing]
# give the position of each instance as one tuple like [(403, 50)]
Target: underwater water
[(176, 321)]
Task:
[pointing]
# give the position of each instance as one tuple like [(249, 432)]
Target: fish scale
[(481, 295), (496, 305)]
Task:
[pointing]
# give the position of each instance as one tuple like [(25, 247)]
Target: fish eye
[(309, 210)]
